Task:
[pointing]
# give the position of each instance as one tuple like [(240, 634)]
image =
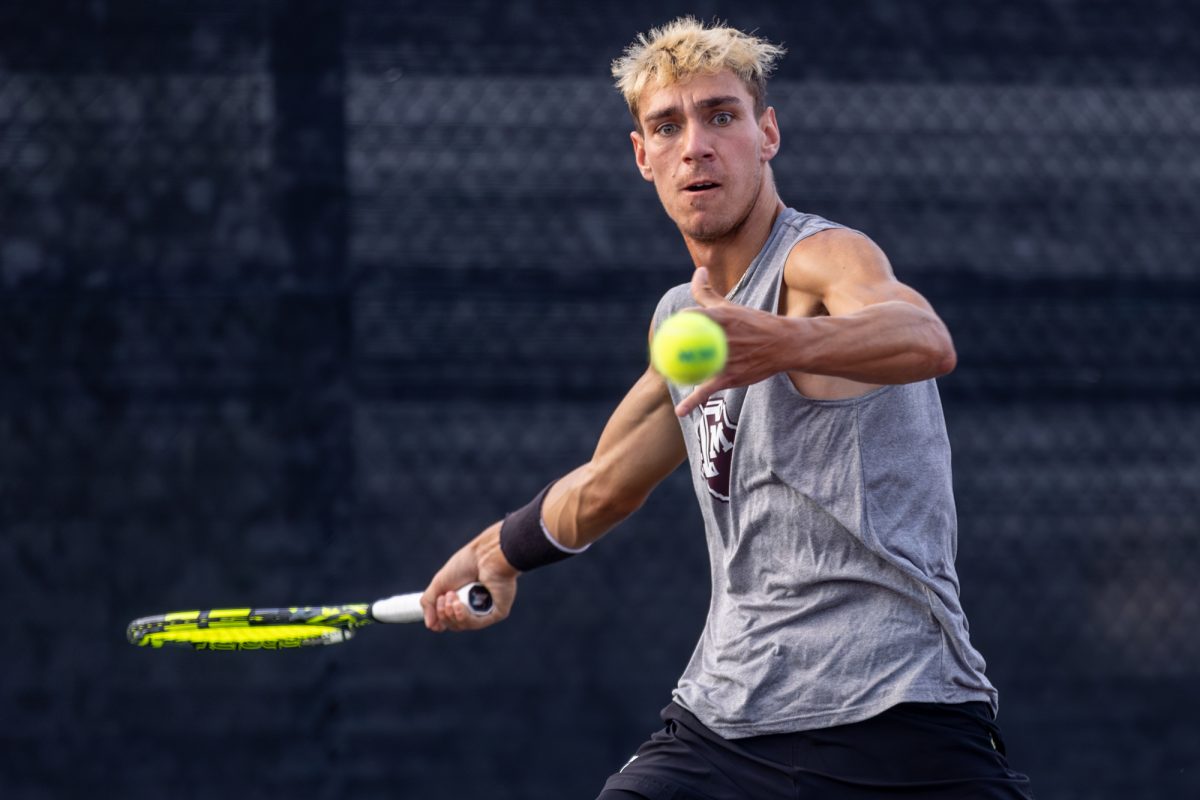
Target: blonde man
[(835, 660)]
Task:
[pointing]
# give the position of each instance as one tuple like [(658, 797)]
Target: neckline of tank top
[(775, 227)]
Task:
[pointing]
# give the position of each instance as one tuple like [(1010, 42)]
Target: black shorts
[(913, 750)]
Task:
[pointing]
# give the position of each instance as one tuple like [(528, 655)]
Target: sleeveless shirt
[(832, 534)]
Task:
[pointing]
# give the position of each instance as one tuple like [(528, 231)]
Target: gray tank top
[(831, 535)]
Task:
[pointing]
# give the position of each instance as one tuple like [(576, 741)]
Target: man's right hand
[(481, 560)]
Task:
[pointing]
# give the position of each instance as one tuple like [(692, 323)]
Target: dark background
[(296, 297)]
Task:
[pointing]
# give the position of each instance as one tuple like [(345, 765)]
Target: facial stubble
[(731, 231)]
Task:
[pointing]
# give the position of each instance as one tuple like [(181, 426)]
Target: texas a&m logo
[(715, 431)]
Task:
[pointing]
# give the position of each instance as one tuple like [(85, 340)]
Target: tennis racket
[(284, 628)]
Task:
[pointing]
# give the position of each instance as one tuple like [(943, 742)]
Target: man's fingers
[(429, 606), (447, 612), (457, 616), (481, 560), (437, 604), (698, 397), (702, 290), (688, 403)]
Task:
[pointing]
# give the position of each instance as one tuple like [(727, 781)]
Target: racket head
[(250, 628)]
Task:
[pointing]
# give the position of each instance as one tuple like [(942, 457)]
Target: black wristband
[(524, 541)]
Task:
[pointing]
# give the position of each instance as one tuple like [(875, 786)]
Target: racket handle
[(407, 607)]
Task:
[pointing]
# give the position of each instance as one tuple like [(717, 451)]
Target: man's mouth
[(701, 186)]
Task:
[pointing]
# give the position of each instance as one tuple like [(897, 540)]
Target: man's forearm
[(579, 509), (886, 343), (640, 445)]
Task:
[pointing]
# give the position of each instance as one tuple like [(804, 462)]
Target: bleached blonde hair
[(684, 48)]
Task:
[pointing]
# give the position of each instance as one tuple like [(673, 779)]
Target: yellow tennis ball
[(688, 348)]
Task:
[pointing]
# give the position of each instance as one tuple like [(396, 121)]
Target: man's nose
[(697, 144)]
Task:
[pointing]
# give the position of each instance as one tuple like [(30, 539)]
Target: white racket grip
[(407, 607)]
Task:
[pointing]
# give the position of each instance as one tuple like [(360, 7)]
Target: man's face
[(705, 151)]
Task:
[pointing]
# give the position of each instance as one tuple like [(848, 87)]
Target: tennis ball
[(688, 348)]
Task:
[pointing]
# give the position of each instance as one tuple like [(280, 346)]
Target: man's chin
[(699, 224), (706, 231)]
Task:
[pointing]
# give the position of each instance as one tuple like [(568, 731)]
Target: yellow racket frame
[(250, 628), (285, 628)]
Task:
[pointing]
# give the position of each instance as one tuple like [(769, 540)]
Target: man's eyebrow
[(724, 100), (708, 102), (662, 113)]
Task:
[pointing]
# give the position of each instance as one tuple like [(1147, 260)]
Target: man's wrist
[(490, 557), (796, 343), (526, 542)]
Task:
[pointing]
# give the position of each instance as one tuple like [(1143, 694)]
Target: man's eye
[(668, 129), (724, 118)]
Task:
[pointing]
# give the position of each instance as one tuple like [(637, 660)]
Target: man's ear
[(770, 131), (639, 155)]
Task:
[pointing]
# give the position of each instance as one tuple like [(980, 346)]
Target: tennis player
[(835, 661)]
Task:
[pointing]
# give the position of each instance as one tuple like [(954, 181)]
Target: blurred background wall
[(296, 297)]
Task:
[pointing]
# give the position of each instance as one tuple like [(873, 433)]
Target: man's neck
[(728, 259)]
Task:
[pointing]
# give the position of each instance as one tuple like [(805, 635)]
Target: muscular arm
[(878, 330), (640, 446), (846, 316)]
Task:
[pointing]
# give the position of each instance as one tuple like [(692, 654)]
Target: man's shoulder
[(836, 241), (825, 245), (806, 223)]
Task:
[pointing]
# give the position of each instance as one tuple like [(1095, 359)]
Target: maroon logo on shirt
[(716, 431)]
